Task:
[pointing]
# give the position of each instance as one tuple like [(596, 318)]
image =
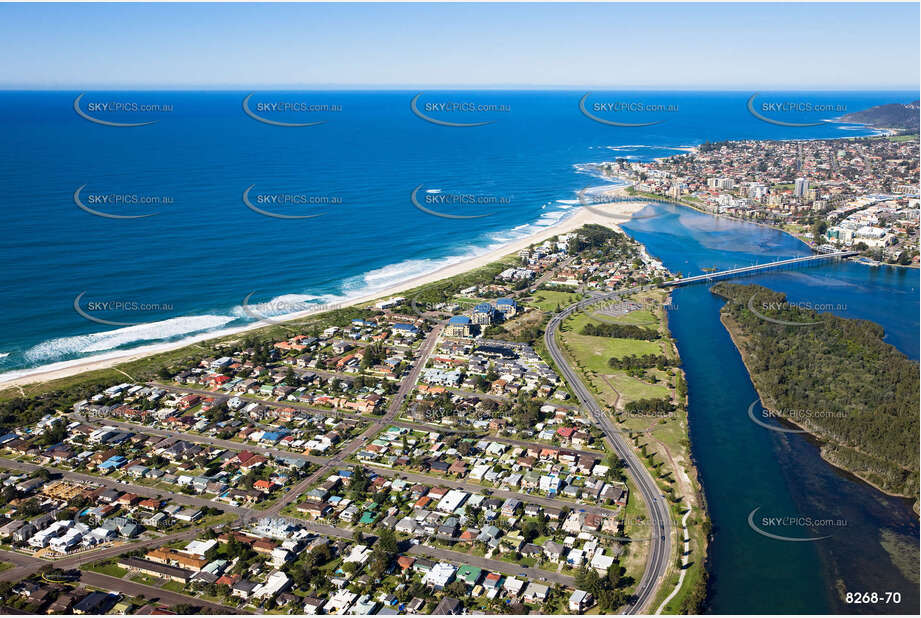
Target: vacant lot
[(547, 300)]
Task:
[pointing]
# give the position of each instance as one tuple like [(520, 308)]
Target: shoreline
[(820, 441), (879, 132), (617, 212)]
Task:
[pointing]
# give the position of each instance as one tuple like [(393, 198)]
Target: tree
[(819, 228), (386, 542), (457, 588)]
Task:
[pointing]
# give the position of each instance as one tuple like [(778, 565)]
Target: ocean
[(188, 268)]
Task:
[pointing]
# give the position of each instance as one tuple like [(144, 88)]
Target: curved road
[(660, 547)]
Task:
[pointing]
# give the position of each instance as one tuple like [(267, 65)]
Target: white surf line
[(684, 562)]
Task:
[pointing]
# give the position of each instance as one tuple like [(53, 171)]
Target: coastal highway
[(660, 545)]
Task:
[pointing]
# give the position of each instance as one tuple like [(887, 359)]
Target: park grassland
[(553, 300), (661, 442), (903, 138)]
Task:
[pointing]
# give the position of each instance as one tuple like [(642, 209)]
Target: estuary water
[(186, 269), (744, 466)]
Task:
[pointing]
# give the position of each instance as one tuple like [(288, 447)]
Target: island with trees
[(833, 377)]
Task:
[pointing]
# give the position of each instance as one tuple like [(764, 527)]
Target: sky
[(243, 46)]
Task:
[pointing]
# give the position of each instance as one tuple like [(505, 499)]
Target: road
[(26, 565), (498, 493), (438, 553), (484, 435), (229, 445), (185, 390), (660, 517), (535, 575), (156, 595), (141, 490), (354, 445)]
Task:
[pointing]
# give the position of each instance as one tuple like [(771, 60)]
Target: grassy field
[(594, 352), (902, 138), (661, 442), (107, 567), (640, 317), (631, 388), (549, 300), (633, 558)]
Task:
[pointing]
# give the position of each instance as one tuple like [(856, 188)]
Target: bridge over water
[(745, 270)]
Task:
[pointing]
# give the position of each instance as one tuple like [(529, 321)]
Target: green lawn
[(107, 568), (547, 300), (631, 389), (640, 317), (147, 580), (175, 587), (594, 352)]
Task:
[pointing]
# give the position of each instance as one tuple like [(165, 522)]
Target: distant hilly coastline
[(889, 116)]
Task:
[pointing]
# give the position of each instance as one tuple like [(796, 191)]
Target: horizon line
[(461, 87)]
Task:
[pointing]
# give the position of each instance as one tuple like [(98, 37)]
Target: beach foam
[(56, 349)]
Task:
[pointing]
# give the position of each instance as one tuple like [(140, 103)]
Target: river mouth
[(744, 467)]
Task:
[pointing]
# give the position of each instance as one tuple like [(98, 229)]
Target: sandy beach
[(609, 214)]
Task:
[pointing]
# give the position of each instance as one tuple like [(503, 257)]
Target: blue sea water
[(206, 251), (744, 466), (195, 261)]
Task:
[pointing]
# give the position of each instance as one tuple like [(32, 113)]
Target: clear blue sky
[(731, 46)]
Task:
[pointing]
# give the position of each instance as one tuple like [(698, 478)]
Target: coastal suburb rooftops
[(459, 319)]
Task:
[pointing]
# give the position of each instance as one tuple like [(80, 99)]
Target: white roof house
[(276, 583), (513, 586), (359, 554), (452, 501), (340, 602), (440, 575), (200, 548), (602, 563)]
